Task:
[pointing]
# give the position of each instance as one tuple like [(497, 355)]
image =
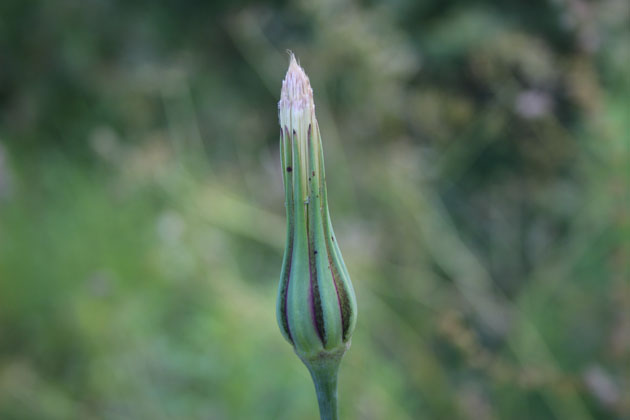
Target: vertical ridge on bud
[(287, 161), (345, 291), (311, 207)]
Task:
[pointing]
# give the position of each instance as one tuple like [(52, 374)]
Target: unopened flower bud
[(316, 304)]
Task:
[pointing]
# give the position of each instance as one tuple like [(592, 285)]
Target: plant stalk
[(324, 373)]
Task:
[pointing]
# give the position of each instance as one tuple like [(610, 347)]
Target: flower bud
[(316, 304)]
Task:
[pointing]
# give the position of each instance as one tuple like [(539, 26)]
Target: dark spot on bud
[(315, 252), (313, 173), (289, 169)]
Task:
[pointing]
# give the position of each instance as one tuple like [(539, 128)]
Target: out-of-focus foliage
[(478, 168)]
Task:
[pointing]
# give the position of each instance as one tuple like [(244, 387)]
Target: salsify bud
[(316, 304)]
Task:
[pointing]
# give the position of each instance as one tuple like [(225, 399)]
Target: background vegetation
[(478, 164)]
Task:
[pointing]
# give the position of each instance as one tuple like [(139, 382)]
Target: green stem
[(324, 374)]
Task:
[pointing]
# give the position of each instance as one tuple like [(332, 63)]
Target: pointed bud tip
[(297, 94)]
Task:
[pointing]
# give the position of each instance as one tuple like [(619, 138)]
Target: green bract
[(316, 304)]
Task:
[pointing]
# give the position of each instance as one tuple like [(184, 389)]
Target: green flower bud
[(316, 304)]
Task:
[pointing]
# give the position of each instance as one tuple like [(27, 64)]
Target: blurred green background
[(478, 161)]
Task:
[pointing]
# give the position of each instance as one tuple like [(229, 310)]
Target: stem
[(324, 374)]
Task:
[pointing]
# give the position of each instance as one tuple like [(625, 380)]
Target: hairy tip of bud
[(297, 94)]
